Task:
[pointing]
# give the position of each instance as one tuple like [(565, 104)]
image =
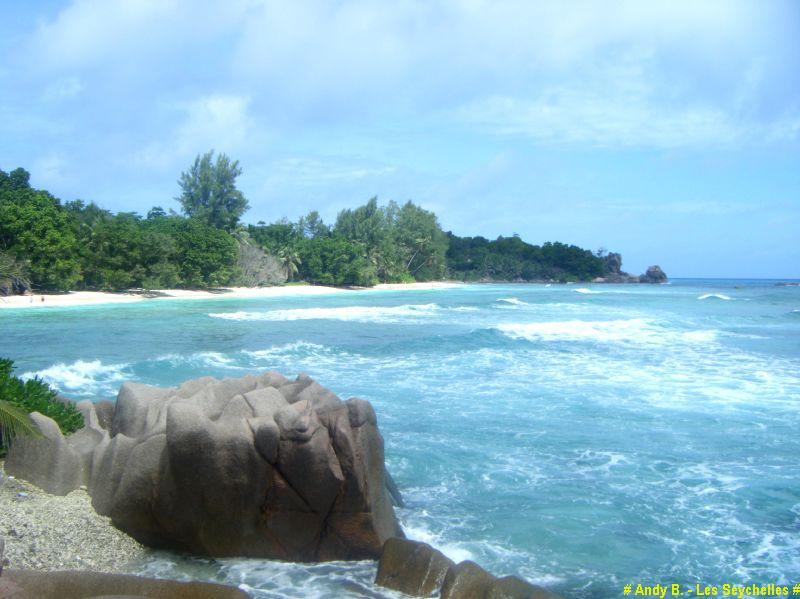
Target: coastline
[(91, 298)]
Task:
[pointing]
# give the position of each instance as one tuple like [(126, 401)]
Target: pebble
[(47, 532)]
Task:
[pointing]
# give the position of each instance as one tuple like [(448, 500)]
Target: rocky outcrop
[(259, 466), (29, 584), (654, 274), (466, 580), (613, 273), (419, 570), (416, 569), (613, 264)]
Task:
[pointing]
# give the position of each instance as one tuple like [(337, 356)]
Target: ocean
[(583, 437)]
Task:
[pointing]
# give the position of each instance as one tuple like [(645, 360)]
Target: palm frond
[(14, 421)]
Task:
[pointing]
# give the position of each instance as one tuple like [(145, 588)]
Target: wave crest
[(82, 378), (513, 301), (347, 313), (634, 330), (721, 296)]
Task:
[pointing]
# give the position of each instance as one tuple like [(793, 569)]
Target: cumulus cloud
[(659, 73), (215, 121)]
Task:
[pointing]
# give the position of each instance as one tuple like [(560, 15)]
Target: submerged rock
[(259, 466)]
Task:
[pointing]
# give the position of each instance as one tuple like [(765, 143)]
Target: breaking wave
[(513, 301), (721, 296), (348, 313), (83, 378), (635, 330)]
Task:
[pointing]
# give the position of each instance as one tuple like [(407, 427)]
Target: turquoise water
[(581, 436)]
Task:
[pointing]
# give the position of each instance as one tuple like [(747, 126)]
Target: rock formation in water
[(419, 570), (613, 273), (654, 274), (258, 466)]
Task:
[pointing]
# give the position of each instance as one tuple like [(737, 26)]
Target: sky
[(668, 131)]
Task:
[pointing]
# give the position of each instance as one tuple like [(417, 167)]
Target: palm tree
[(13, 422), (13, 277), (290, 260)]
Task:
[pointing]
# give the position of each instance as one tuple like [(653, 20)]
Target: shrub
[(35, 395)]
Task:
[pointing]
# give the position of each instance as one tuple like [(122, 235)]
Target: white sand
[(89, 298)]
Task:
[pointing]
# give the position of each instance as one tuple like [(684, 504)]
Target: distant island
[(50, 246)]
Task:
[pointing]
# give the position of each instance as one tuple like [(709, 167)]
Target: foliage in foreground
[(25, 397)]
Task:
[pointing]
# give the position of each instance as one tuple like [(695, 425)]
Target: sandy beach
[(90, 298)]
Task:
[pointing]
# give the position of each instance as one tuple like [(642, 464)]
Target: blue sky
[(668, 131)]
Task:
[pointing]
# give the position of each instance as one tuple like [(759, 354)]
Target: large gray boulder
[(48, 461), (258, 466), (53, 462)]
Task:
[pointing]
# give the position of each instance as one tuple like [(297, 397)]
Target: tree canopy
[(209, 193), (51, 246)]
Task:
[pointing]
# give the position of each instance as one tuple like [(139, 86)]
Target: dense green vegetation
[(511, 259), (19, 398), (51, 246)]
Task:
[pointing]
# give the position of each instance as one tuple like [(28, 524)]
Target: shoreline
[(92, 298)]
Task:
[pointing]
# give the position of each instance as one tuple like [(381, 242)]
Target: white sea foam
[(82, 378), (633, 330), (455, 551), (513, 301), (347, 313), (586, 291), (721, 296)]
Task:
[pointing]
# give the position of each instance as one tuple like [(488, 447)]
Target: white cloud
[(116, 33), (627, 103), (307, 170), (218, 121), (671, 73)]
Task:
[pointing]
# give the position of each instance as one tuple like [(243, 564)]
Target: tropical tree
[(421, 241), (290, 260), (35, 227), (209, 193)]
